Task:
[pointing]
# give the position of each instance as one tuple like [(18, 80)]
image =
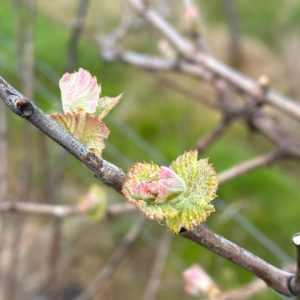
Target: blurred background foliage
[(259, 211)]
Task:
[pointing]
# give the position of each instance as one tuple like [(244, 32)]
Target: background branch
[(113, 262)]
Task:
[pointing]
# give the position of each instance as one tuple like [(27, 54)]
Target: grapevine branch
[(113, 176)]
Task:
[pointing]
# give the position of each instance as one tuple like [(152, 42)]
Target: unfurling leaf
[(93, 202), (105, 105), (88, 129), (79, 92), (84, 109), (178, 196)]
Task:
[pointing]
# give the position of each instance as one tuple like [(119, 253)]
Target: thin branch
[(54, 275), (213, 135), (113, 262), (59, 211), (250, 165), (212, 65), (231, 15), (24, 11), (3, 176), (114, 177), (158, 267), (273, 277), (246, 291), (3, 153), (175, 85), (76, 31)]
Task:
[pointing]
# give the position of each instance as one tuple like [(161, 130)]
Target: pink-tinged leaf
[(197, 282), (88, 129), (79, 92), (105, 105)]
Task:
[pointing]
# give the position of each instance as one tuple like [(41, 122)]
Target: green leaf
[(178, 196), (105, 105)]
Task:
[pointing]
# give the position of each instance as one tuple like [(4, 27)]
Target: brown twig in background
[(236, 51), (213, 135), (3, 177), (24, 25), (76, 31), (175, 85), (59, 211), (3, 153), (249, 165), (54, 276), (113, 262), (158, 267), (249, 290)]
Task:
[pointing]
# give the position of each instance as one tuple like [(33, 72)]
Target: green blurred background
[(259, 210)]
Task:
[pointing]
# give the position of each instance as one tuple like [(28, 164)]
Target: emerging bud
[(164, 185), (177, 196), (198, 282)]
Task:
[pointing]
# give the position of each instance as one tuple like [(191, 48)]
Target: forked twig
[(113, 262), (158, 267)]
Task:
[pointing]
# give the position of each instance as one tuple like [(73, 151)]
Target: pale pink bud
[(163, 184), (198, 282), (79, 92)]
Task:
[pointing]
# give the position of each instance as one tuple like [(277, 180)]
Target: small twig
[(76, 31), (213, 135), (250, 165), (244, 292), (59, 211), (3, 153), (24, 20), (55, 259), (3, 177), (175, 85), (236, 53), (110, 41), (158, 267), (113, 262)]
